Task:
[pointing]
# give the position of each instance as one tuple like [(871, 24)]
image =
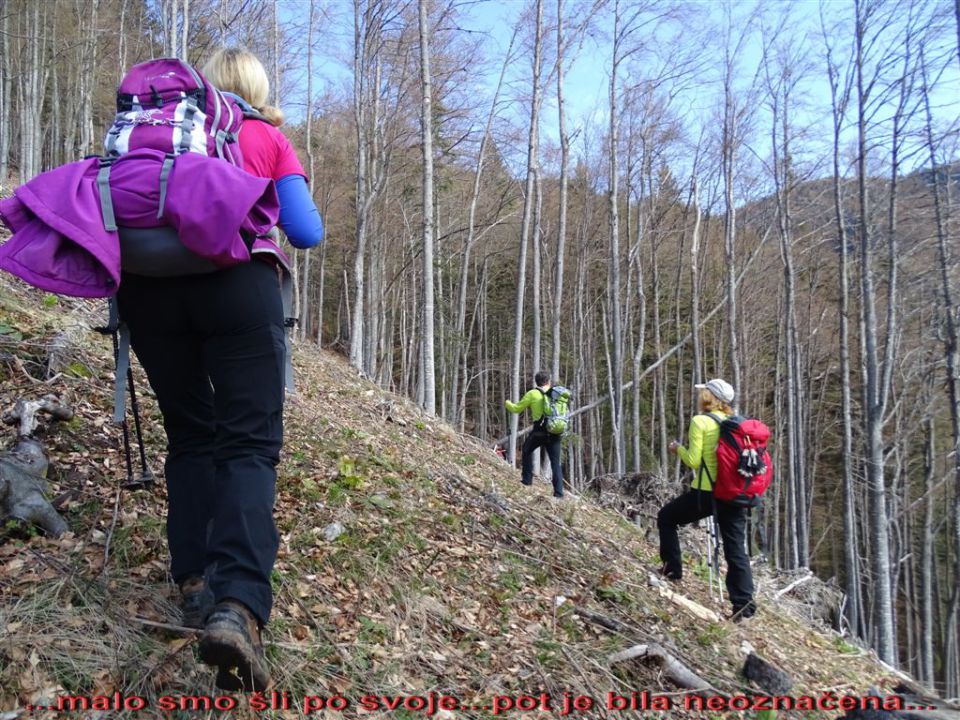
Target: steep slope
[(446, 575)]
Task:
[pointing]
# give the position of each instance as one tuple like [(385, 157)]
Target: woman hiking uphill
[(716, 404), (213, 348)]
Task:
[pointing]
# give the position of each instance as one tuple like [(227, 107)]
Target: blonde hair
[(710, 402), (241, 72)]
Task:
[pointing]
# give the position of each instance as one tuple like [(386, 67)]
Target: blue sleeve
[(299, 217)]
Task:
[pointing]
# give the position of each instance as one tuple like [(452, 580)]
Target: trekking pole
[(123, 424), (716, 556), (709, 529), (146, 476), (713, 555)]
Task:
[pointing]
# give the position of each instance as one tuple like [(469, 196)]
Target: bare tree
[(562, 202), (780, 90), (840, 79), (426, 138), (6, 96), (950, 336), (458, 386), (529, 200)]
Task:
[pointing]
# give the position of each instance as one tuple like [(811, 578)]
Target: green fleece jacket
[(533, 399), (703, 436)]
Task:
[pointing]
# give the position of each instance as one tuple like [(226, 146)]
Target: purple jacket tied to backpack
[(171, 169), (60, 243)]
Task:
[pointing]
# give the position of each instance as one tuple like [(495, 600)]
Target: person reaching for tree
[(537, 399)]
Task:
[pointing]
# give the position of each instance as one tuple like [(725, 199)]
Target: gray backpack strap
[(286, 295), (164, 177), (106, 200), (187, 124), (221, 138)]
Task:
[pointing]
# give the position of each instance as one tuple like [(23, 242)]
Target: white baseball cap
[(721, 389)]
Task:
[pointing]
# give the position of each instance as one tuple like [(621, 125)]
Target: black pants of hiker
[(551, 443), (213, 349), (695, 505)]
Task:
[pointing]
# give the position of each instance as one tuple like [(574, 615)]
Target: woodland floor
[(449, 575)]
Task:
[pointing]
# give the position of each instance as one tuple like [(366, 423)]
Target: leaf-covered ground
[(448, 575)]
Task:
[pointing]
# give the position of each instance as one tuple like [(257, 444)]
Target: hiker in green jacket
[(716, 398), (535, 399)]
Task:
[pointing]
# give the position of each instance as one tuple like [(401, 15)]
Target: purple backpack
[(168, 105)]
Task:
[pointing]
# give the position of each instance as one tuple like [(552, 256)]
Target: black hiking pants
[(550, 442), (695, 505), (213, 349)]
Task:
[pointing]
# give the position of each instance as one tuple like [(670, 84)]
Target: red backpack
[(744, 468)]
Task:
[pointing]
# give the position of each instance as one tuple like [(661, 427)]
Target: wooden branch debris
[(180, 629), (601, 620), (795, 583), (675, 671), (25, 412), (686, 603)]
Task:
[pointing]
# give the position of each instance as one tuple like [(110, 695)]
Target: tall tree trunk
[(529, 200), (6, 88), (361, 48), (873, 400), (956, 17), (562, 202), (927, 560), (641, 339), (426, 138), (537, 276), (471, 239), (729, 147), (185, 33), (311, 168), (780, 145), (951, 352), (616, 367), (839, 98)]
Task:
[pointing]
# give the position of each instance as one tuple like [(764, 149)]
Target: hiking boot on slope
[(231, 642)]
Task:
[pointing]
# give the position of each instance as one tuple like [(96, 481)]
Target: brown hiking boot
[(231, 641), (196, 602)]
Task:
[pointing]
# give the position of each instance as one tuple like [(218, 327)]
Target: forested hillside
[(412, 564), (764, 193)]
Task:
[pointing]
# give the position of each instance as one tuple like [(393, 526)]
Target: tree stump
[(23, 469)]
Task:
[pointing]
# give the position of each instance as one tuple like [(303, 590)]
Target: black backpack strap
[(538, 424), (703, 465)]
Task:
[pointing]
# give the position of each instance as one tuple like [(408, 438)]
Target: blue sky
[(586, 82)]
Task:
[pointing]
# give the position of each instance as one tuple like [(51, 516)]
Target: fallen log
[(675, 671)]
